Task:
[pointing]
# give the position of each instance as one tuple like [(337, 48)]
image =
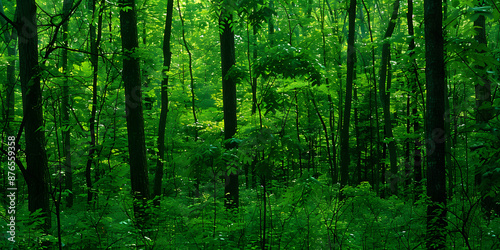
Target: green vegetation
[(253, 124)]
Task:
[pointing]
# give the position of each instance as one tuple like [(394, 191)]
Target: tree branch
[(2, 14)]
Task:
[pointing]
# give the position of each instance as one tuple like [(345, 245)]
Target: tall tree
[(133, 107), (435, 131), (385, 97), (67, 4), (414, 84), (95, 37), (167, 59), (190, 66), (345, 158), (228, 60), (37, 172)]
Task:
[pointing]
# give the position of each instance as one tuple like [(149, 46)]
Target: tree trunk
[(254, 78), (333, 159), (133, 106), (94, 60), (483, 86), (385, 99), (167, 59), (344, 134), (435, 131), (377, 165), (67, 4), (417, 155), (228, 60), (191, 82), (357, 151), (37, 175)]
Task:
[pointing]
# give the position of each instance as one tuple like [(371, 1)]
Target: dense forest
[(250, 124)]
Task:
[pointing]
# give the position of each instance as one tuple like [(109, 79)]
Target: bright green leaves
[(237, 73), (289, 62), (475, 12), (256, 12)]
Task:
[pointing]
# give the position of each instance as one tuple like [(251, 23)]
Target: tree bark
[(167, 59), (191, 78), (417, 155), (95, 37), (385, 98), (435, 131), (37, 175), (68, 180), (228, 60), (483, 86), (344, 134), (134, 108)]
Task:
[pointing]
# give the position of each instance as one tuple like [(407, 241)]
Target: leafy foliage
[(292, 56)]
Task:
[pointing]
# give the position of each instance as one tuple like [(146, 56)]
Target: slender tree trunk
[(344, 134), (95, 38), (228, 60), (483, 86), (167, 59), (385, 99), (357, 151), (65, 106), (191, 82), (333, 159), (435, 131), (270, 24), (254, 79), (377, 155), (414, 82), (133, 107), (37, 175), (325, 130)]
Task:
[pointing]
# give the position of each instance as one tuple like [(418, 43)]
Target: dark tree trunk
[(345, 158), (333, 155), (357, 152), (37, 175), (483, 86), (67, 4), (254, 78), (435, 131), (385, 99), (228, 60), (167, 59), (191, 78), (94, 60), (417, 155), (133, 106), (376, 153)]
